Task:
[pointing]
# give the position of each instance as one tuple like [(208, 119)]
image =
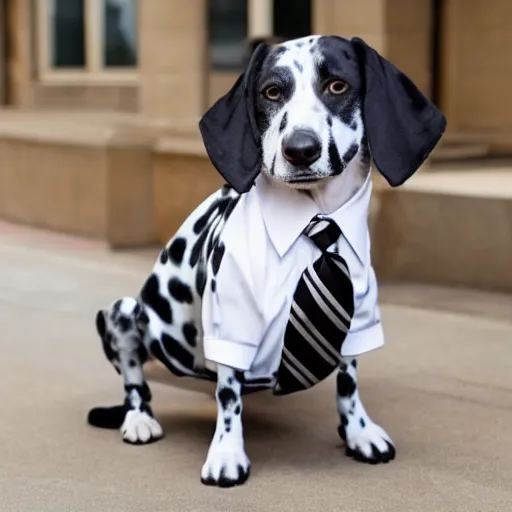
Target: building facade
[(158, 65)]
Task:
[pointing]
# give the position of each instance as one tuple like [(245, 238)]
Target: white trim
[(94, 73)]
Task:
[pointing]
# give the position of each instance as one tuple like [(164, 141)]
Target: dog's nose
[(302, 147)]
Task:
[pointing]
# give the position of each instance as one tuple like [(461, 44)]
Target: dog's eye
[(337, 87), (272, 93)]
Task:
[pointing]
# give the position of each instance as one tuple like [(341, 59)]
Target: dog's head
[(303, 110)]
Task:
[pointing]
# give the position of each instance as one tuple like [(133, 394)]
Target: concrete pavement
[(442, 387)]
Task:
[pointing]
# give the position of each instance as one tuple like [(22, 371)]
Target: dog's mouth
[(303, 177)]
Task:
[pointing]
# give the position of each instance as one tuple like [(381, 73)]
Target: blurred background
[(100, 99)]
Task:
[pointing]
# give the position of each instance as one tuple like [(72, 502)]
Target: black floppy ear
[(230, 131), (402, 125)]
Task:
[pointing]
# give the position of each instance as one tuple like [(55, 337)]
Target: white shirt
[(244, 320)]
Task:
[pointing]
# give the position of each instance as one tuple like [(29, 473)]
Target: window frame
[(94, 73)]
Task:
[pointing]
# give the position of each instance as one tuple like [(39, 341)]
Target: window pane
[(120, 33), (228, 34), (292, 18), (67, 44)]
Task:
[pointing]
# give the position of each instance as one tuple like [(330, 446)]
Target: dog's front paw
[(139, 427), (367, 442), (226, 465)]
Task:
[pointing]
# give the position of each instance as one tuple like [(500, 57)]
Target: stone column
[(172, 59)]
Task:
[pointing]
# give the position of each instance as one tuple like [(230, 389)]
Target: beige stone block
[(347, 18), (450, 229), (175, 96), (182, 182), (130, 195), (171, 14), (219, 84), (163, 54), (407, 15), (54, 186), (80, 177)]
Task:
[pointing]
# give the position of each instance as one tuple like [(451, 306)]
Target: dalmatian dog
[(306, 113)]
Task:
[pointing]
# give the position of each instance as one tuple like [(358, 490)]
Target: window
[(86, 40), (227, 34)]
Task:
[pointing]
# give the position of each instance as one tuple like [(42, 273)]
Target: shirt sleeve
[(366, 331), (233, 322)]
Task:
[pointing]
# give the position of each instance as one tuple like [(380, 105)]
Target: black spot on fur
[(311, 41), (143, 391), (108, 350), (132, 363), (350, 153), (240, 376), (225, 189), (141, 316), (280, 50), (227, 423), (284, 122), (177, 250), (190, 333), (220, 205), (345, 385), (176, 350), (145, 407), (354, 363), (100, 323), (164, 256), (150, 295), (125, 323), (334, 157), (299, 45), (213, 285), (180, 291), (157, 351), (142, 353), (230, 381), (362, 422), (365, 150), (115, 309), (217, 256), (329, 120), (226, 397), (298, 65), (353, 126), (344, 420), (238, 410), (272, 167), (200, 280)]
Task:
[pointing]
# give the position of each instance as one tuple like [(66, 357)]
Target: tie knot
[(323, 231)]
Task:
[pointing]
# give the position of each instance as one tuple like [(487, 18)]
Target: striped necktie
[(320, 316)]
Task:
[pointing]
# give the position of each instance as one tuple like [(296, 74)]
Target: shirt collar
[(286, 212)]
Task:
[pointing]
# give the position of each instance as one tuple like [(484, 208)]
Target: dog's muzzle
[(302, 148)]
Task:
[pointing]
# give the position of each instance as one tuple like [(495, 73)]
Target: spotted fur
[(164, 320)]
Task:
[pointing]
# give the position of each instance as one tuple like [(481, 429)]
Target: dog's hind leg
[(122, 330), (365, 440)]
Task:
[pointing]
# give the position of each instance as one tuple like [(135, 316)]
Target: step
[(449, 228)]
